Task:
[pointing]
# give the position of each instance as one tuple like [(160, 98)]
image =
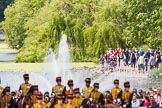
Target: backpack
[(133, 56)]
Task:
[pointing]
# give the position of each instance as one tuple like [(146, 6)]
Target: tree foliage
[(144, 20), (92, 26), (16, 15)]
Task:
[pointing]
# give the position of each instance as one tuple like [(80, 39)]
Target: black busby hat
[(35, 87), (76, 90), (116, 81), (26, 76), (88, 80), (46, 93), (107, 91), (96, 85), (40, 97), (127, 84), (58, 79), (70, 83), (7, 89)]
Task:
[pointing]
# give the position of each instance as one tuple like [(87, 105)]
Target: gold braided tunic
[(77, 102), (58, 89), (39, 105), (7, 99), (47, 105), (25, 88), (95, 95), (69, 105), (34, 99), (87, 91), (59, 106), (126, 96), (115, 92)]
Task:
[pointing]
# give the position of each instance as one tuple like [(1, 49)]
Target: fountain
[(60, 67)]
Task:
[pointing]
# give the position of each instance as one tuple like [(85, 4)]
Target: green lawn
[(38, 67), (32, 67)]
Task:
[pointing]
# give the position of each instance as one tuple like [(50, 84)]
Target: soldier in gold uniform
[(60, 99), (7, 98), (71, 90), (116, 92), (35, 93), (25, 87), (126, 96), (69, 101), (96, 96), (88, 89), (39, 103), (77, 101), (59, 88)]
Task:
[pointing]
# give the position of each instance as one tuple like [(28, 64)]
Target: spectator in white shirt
[(141, 62)]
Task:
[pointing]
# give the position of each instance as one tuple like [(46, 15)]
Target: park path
[(6, 54)]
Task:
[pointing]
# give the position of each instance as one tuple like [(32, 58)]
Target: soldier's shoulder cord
[(120, 94)]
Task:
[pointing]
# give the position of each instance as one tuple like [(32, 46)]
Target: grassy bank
[(38, 67)]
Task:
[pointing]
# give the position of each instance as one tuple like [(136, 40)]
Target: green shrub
[(156, 72)]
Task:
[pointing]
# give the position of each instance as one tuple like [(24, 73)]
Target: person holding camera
[(47, 102), (152, 103)]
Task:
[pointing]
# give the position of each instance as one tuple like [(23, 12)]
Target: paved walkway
[(5, 56)]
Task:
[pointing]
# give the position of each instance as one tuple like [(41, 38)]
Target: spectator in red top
[(116, 52), (146, 101)]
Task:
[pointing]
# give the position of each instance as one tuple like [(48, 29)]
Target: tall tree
[(144, 20), (16, 15), (107, 27)]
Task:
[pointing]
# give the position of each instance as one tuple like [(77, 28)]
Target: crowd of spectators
[(143, 60)]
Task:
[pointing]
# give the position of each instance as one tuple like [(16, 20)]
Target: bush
[(32, 51), (156, 72)]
